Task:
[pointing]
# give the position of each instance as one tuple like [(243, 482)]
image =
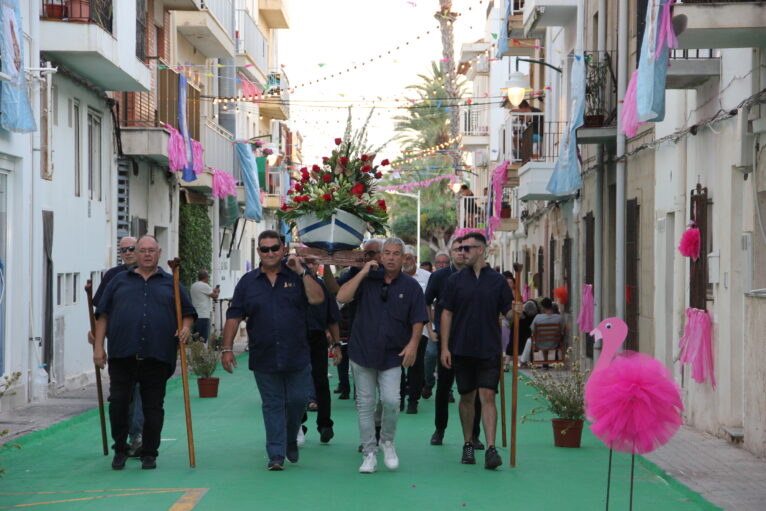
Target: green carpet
[(62, 468)]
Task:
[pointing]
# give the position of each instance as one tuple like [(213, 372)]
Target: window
[(698, 270), (75, 287), (60, 284), (67, 289), (77, 145), (95, 280), (94, 156)]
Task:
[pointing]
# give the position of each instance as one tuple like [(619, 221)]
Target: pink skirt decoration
[(224, 184), (630, 122), (689, 246), (697, 345), (634, 404), (177, 159), (197, 159), (585, 319)]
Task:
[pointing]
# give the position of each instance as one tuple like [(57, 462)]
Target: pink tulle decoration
[(697, 345), (177, 159), (587, 308), (525, 293), (224, 184), (197, 157), (632, 399), (690, 243), (499, 179), (667, 36), (630, 122)]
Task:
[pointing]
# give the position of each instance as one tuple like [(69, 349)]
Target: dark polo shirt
[(142, 315), (383, 320), (475, 305), (276, 319), (323, 314), (435, 290), (108, 276)]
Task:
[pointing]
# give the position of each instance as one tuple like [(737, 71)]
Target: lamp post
[(517, 84), (412, 196)]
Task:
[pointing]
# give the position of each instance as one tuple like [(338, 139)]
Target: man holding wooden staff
[(275, 298), (137, 313), (470, 334)]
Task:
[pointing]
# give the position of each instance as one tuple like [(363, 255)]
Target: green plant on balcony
[(595, 92)]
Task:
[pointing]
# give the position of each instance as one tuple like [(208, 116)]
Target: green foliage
[(203, 359), (562, 394), (195, 241), (405, 227)]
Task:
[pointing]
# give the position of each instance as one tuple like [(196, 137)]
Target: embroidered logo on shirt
[(289, 284), (401, 295)]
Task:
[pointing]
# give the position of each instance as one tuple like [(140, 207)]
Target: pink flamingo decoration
[(632, 399)]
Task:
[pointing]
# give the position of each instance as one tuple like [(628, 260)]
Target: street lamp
[(517, 84), (412, 196)]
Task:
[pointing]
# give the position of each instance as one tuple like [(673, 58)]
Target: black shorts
[(472, 373)]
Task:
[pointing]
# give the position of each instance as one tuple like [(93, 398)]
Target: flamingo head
[(612, 331)]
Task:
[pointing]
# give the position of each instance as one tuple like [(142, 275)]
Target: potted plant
[(54, 10), (203, 359), (595, 89), (332, 205), (562, 393)]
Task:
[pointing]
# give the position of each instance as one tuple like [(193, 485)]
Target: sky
[(328, 36)]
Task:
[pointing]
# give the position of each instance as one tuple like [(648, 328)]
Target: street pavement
[(60, 464)]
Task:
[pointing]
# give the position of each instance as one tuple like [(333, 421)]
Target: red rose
[(305, 179), (289, 192), (382, 204), (366, 168), (358, 189), (325, 159), (343, 160), (385, 162), (305, 198), (298, 187), (283, 207), (304, 170), (327, 178), (378, 175), (365, 157), (315, 168), (338, 141), (370, 209), (327, 197)]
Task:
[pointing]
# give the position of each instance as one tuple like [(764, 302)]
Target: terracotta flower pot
[(79, 10), (566, 432), (55, 11), (208, 387)]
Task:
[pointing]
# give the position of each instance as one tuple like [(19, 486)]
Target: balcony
[(274, 12), (509, 212), (273, 187), (518, 45), (723, 24), (219, 150), (534, 149), (540, 14), (691, 68), (474, 127), (276, 102), (79, 35), (600, 100), (252, 48), (478, 67), (472, 212), (210, 30)]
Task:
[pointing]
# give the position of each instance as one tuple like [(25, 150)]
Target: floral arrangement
[(562, 394), (346, 180)]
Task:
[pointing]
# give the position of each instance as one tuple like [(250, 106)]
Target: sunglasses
[(273, 248), (384, 292), (131, 248), (371, 253), (467, 248)]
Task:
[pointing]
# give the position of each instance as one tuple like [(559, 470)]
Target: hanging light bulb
[(516, 88)]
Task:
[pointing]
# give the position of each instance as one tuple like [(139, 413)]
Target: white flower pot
[(343, 231)]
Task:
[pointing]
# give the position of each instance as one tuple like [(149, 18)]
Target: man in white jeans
[(388, 325)]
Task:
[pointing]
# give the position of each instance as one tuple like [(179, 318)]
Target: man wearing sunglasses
[(471, 342), (274, 298), (388, 325)]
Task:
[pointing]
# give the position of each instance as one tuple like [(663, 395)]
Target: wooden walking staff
[(99, 388), (517, 267), (502, 387), (175, 264)]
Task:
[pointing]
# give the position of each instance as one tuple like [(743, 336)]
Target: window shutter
[(698, 271)]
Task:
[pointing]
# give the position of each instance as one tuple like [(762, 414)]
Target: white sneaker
[(301, 437), (370, 463), (389, 455)]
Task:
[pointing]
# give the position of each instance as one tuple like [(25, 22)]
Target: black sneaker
[(343, 395), (337, 390), (477, 445), (412, 408), (451, 398), (492, 458), (276, 465), (438, 437), (325, 435), (469, 458), (148, 462), (427, 391), (292, 452), (118, 462)]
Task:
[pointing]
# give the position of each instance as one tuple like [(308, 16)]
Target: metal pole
[(598, 241), (622, 80), (418, 219)]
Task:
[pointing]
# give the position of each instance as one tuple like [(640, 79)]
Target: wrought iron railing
[(692, 54), (251, 41), (79, 11), (600, 89), (530, 138)]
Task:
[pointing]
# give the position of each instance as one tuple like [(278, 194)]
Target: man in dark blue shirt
[(385, 334), (470, 330), (275, 298), (446, 376), (137, 313)]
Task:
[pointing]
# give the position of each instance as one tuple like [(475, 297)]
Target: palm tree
[(446, 18)]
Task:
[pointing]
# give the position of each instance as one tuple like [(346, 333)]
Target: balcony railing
[(472, 213), (79, 11), (222, 10), (475, 121), (600, 89), (692, 54), (530, 138), (139, 112), (278, 82), (219, 151), (517, 7), (251, 41)]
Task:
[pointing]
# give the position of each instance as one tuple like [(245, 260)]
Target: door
[(631, 273), (47, 289), (590, 264)]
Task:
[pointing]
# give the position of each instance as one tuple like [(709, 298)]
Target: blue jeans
[(136, 416), (432, 357), (202, 326), (283, 396)]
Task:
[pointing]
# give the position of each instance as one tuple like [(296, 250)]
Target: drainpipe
[(598, 221), (622, 81), (227, 85)]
